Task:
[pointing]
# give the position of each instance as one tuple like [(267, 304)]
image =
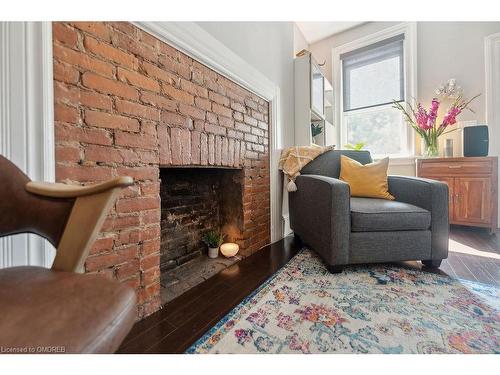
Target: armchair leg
[(432, 263), (335, 269)]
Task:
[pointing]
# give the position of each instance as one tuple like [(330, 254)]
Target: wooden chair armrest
[(58, 190), (90, 208)]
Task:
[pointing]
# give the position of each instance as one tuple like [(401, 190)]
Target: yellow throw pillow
[(369, 180)]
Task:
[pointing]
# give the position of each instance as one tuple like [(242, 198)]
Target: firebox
[(193, 202)]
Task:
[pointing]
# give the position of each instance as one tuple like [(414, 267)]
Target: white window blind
[(373, 75)]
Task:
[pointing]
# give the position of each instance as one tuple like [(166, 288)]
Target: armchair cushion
[(381, 215)]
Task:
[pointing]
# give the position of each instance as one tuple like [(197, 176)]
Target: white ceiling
[(314, 31)]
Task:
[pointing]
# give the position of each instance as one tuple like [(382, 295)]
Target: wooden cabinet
[(473, 196), (473, 187)]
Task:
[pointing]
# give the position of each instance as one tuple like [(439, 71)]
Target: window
[(371, 77)]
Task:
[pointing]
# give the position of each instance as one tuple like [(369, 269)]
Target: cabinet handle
[(454, 166)]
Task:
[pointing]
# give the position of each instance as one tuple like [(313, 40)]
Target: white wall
[(268, 47), (445, 50), (454, 50), (299, 41)]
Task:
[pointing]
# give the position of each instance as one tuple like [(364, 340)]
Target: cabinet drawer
[(442, 168)]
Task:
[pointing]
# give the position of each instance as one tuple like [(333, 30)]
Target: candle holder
[(229, 249)]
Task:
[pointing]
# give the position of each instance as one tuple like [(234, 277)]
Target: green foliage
[(378, 130), (316, 129), (213, 238), (357, 147)]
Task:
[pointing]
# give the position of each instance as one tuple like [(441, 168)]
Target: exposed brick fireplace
[(129, 104), (194, 201)]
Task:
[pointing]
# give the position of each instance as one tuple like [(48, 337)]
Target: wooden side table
[(473, 187)]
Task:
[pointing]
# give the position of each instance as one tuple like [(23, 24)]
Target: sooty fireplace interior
[(194, 201)]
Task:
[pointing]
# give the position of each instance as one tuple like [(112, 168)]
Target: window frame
[(409, 29)]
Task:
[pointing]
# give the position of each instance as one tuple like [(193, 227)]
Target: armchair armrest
[(58, 190), (90, 208), (421, 192), (320, 215), (431, 195)]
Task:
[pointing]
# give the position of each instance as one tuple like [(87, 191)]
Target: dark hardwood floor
[(474, 255)]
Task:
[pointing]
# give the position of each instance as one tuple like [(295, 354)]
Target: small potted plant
[(357, 147), (213, 239), (316, 129)]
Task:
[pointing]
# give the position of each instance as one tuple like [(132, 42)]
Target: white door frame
[(194, 41), (26, 122), (492, 91)]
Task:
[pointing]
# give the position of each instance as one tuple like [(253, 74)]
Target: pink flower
[(450, 117), (433, 113), (434, 106), (422, 118)]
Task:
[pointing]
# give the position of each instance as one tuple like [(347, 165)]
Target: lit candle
[(229, 249)]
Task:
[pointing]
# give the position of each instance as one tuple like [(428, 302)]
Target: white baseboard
[(286, 225)]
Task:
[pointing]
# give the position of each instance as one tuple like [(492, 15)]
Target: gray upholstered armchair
[(349, 230)]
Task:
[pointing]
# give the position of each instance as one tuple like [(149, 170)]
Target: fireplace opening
[(193, 202)]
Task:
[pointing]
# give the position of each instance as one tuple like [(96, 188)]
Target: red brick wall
[(126, 104)]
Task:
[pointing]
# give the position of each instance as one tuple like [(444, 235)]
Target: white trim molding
[(492, 91), (409, 29), (26, 122), (197, 43)]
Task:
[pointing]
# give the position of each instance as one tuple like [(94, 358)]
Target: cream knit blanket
[(293, 159)]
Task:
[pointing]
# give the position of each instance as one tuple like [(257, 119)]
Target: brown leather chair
[(59, 309)]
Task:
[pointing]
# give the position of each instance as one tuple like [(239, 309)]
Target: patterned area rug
[(372, 309)]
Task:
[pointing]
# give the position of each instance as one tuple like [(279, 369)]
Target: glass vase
[(430, 147)]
